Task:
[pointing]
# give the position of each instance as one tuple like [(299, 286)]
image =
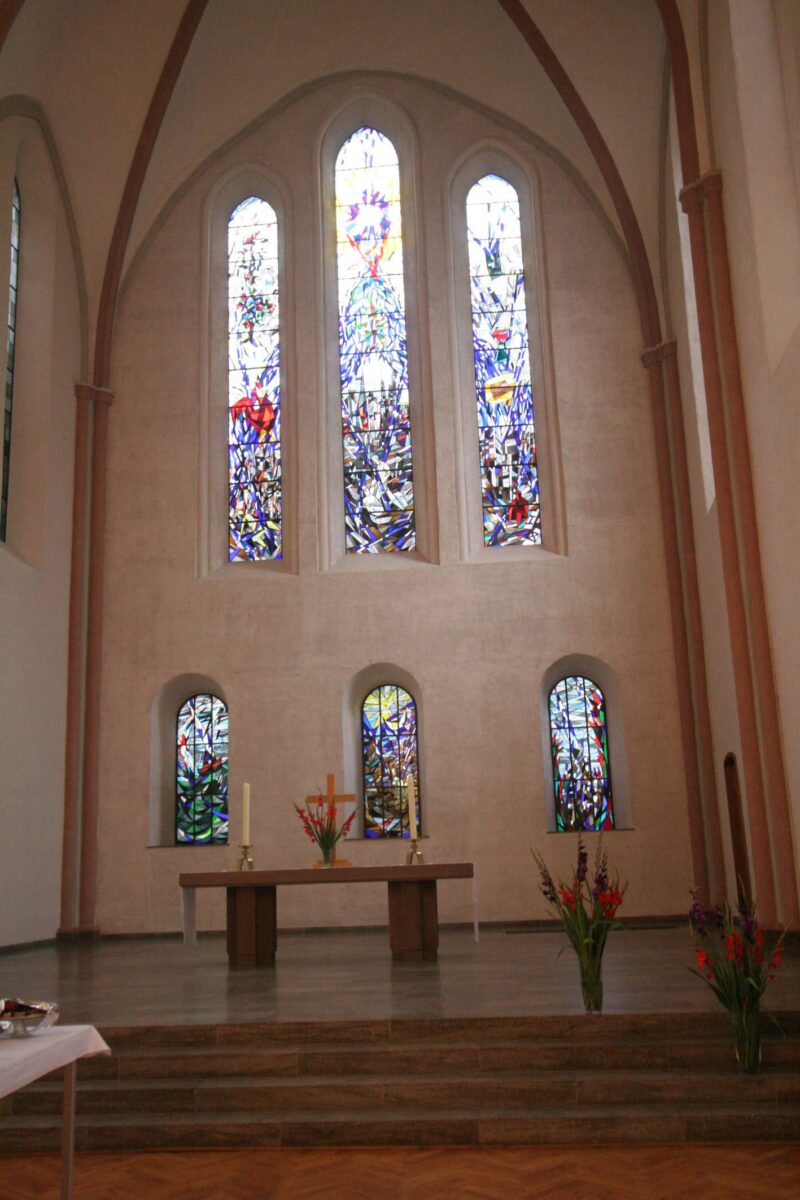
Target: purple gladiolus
[(583, 863), (697, 918)]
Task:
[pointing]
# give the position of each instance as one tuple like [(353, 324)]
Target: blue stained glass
[(254, 384), (11, 338), (378, 478), (202, 771), (389, 757), (501, 354), (579, 747)]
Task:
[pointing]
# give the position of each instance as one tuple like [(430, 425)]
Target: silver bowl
[(23, 1024)]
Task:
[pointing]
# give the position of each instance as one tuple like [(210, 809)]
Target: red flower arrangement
[(736, 966), (321, 827), (587, 910)]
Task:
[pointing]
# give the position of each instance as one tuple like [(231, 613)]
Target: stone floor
[(338, 975)]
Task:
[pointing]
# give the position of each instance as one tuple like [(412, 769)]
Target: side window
[(254, 384), (390, 757), (201, 782), (373, 366), (10, 344), (579, 747), (501, 353)]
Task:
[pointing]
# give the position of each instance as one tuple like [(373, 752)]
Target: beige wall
[(478, 638)]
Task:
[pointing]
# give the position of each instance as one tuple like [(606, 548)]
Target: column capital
[(93, 395), (657, 354)]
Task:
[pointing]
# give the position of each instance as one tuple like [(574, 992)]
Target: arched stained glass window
[(376, 424), (10, 345), (389, 757), (254, 390), (202, 771), (579, 743), (507, 443)]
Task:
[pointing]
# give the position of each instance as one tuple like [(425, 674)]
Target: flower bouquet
[(587, 913), (320, 826), (733, 962)]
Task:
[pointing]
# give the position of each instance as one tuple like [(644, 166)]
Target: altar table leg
[(252, 926), (475, 923), (189, 916), (413, 920), (68, 1132)]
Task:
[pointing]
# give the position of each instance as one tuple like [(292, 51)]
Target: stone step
[(584, 1125), (419, 1093)]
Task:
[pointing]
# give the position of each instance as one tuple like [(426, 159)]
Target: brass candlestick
[(414, 856), (245, 862)]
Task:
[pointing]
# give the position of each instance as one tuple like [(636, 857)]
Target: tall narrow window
[(376, 424), (579, 742), (10, 343), (254, 391), (202, 771), (507, 444), (389, 756)]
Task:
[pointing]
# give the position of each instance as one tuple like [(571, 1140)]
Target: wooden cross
[(332, 800)]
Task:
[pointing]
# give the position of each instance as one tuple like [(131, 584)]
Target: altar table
[(252, 928), (24, 1059)]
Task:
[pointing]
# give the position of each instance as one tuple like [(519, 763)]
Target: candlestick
[(412, 808), (246, 814), (245, 862)]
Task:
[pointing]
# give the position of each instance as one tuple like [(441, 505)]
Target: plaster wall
[(477, 637), (34, 563), (769, 368)]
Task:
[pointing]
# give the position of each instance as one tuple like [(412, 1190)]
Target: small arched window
[(373, 366), (202, 771), (10, 344), (254, 384), (579, 746), (501, 355), (389, 755)]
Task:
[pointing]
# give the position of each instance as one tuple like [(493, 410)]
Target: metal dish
[(21, 1024)]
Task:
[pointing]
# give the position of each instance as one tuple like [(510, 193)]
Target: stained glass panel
[(501, 354), (376, 427), (202, 771), (11, 338), (389, 757), (579, 744), (254, 387)]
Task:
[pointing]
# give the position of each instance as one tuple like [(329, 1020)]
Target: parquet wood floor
[(721, 1172)]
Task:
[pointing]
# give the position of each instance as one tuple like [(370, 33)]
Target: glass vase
[(748, 1039), (591, 984), (327, 856)]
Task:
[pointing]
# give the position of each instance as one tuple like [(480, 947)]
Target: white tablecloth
[(23, 1059)]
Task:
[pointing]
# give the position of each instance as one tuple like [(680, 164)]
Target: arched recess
[(493, 158), (378, 113), (604, 676), (163, 715), (354, 694), (212, 543)]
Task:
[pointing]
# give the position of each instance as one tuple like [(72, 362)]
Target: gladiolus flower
[(568, 898), (759, 946), (610, 901)]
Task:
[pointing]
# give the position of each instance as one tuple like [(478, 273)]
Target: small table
[(252, 925), (25, 1059)]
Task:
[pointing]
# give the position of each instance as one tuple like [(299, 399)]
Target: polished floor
[(340, 975), (735, 1172)]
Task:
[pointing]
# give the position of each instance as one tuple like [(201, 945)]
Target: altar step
[(532, 1080)]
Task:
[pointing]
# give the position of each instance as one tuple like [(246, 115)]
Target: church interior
[(400, 436)]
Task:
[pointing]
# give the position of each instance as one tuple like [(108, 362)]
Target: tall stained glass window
[(389, 757), (254, 389), (376, 425), (10, 343), (507, 444), (579, 745), (202, 771)]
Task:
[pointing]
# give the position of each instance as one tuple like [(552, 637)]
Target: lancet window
[(579, 745), (11, 338), (254, 384), (501, 355), (202, 771), (390, 758), (373, 367)]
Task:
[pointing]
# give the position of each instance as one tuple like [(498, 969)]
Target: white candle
[(412, 807), (246, 815)]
